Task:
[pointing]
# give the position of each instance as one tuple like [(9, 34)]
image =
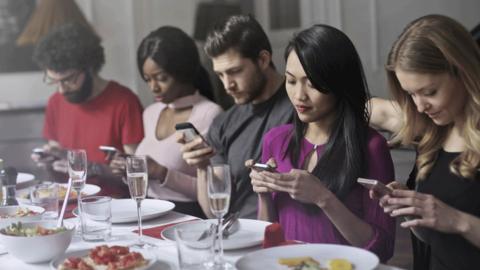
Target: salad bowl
[(37, 241)]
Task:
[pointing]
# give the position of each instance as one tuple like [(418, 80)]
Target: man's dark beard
[(259, 86), (83, 93)]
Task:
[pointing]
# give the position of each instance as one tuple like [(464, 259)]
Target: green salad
[(17, 229)]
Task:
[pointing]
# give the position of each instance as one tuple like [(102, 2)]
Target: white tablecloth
[(122, 234)]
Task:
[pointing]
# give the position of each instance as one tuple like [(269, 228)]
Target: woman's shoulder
[(153, 108), (278, 132)]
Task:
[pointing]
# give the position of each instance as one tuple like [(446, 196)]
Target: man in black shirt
[(242, 58)]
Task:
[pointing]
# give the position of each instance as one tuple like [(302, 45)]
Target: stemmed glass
[(137, 179), (77, 171), (219, 189)]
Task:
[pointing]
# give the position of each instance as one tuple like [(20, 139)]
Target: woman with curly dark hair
[(87, 111)]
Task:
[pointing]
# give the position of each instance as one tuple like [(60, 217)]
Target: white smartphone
[(263, 167), (374, 185), (108, 149)]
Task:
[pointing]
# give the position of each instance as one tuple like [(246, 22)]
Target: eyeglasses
[(68, 81)]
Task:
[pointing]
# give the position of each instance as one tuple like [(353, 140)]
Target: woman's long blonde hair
[(436, 44)]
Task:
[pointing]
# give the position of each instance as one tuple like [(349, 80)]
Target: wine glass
[(77, 171), (219, 189), (137, 180)]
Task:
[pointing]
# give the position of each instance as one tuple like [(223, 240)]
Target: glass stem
[(219, 243), (79, 207), (139, 216)]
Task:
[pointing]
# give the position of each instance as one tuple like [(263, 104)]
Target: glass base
[(222, 265), (143, 245)]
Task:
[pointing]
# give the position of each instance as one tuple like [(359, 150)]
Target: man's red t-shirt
[(113, 118)]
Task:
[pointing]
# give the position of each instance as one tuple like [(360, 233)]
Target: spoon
[(64, 205)]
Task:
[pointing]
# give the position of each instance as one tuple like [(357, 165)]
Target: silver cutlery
[(225, 223), (229, 227)]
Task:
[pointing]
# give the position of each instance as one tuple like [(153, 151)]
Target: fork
[(228, 226), (213, 226)]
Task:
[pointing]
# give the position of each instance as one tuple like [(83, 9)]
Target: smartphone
[(108, 149), (40, 151), (374, 185), (263, 167), (188, 129)]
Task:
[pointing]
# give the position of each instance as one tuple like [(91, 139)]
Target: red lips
[(302, 108)]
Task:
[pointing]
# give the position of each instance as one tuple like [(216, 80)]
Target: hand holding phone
[(375, 185), (42, 156), (263, 167), (39, 151), (188, 129), (110, 151)]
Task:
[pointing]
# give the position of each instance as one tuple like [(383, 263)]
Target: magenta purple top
[(313, 226)]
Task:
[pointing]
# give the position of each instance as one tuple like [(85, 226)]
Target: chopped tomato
[(114, 257), (72, 262), (84, 266), (120, 250)]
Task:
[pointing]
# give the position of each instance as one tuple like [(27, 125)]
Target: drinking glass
[(77, 171), (45, 195), (137, 179), (96, 218), (194, 250), (219, 189)]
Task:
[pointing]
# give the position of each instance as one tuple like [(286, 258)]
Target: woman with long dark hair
[(318, 158), (169, 63)]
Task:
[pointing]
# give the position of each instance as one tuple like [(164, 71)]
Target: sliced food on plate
[(106, 257), (308, 263), (19, 212)]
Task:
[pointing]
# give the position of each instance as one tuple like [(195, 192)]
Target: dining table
[(123, 234)]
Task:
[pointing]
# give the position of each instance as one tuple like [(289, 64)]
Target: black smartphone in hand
[(109, 151), (40, 152), (188, 129)]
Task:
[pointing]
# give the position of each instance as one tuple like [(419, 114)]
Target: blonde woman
[(433, 72)]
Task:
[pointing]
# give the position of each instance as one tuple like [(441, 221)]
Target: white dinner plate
[(125, 210), (24, 180), (12, 209), (249, 233), (268, 258), (55, 263), (24, 177), (88, 190), (23, 195)]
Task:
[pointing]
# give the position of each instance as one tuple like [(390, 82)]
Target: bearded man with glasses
[(87, 111)]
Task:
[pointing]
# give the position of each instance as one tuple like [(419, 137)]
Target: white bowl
[(11, 210), (36, 249)]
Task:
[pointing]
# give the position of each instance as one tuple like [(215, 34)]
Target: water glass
[(96, 212), (46, 195), (193, 253)]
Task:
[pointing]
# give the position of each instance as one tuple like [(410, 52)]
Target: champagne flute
[(219, 189), (137, 179), (77, 171)]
